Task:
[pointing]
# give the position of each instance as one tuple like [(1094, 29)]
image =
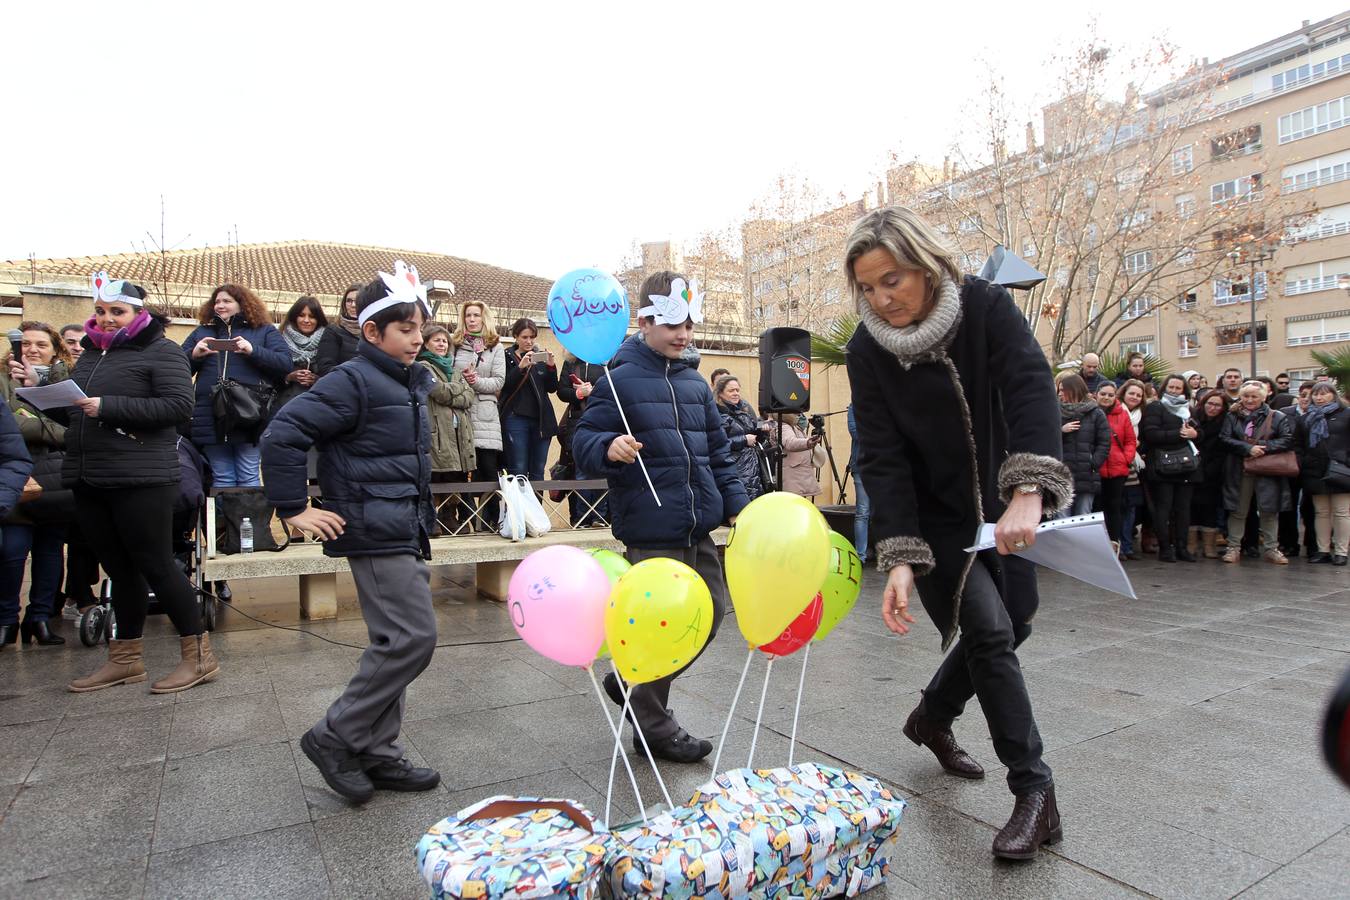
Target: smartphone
[(219, 344), (576, 379)]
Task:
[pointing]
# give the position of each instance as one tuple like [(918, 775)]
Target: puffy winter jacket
[(266, 365), (335, 347), (672, 413), (490, 365), (1161, 430), (1085, 449), (14, 462), (369, 418), (739, 421), (147, 393), (1123, 442)]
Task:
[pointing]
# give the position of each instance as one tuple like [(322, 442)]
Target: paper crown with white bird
[(404, 287), (683, 302), (114, 290)]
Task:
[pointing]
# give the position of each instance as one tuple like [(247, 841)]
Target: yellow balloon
[(777, 558), (658, 619)]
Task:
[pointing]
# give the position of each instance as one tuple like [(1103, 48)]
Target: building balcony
[(1186, 352), (1230, 299), (1334, 337), (1293, 187), (1325, 230), (1245, 345), (1310, 285)]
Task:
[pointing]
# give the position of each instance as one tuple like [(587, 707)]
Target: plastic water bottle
[(246, 535)]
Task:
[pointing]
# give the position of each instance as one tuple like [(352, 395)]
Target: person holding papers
[(958, 423)]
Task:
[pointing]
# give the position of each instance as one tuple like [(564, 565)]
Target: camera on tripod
[(817, 421)]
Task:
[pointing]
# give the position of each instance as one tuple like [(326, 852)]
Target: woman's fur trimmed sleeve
[(904, 550), (1053, 477)]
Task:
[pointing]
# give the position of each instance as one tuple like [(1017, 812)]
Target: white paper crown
[(109, 290), (404, 287), (683, 303)]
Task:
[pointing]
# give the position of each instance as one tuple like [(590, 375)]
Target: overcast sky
[(539, 137)]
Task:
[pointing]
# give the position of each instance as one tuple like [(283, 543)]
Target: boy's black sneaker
[(402, 775), (681, 747), (340, 768)]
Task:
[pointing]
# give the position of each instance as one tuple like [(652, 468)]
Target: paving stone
[(107, 740), (369, 852), (220, 722), (115, 805), (18, 706), (277, 864), (97, 879), (228, 793), (20, 747), (1321, 872), (484, 747)]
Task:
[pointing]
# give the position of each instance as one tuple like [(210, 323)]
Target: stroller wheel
[(91, 626)]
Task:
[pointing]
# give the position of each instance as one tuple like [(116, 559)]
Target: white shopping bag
[(536, 518), (511, 521)]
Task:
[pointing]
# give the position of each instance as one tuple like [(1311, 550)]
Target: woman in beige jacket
[(799, 469)]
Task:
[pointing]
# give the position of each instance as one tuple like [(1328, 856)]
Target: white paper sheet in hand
[(52, 396), (1077, 546)]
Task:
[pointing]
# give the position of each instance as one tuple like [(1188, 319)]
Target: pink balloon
[(557, 602)]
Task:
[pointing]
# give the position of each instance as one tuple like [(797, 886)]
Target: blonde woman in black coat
[(955, 411)]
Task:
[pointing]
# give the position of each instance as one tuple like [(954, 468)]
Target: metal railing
[(1333, 337), (1245, 345), (1311, 285)]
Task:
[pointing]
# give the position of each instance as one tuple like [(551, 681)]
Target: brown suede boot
[(1193, 541), (124, 666), (1211, 541), (197, 665)]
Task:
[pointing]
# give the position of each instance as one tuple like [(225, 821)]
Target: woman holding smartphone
[(479, 354), (305, 327), (528, 419)]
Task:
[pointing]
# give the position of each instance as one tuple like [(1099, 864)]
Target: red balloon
[(798, 634)]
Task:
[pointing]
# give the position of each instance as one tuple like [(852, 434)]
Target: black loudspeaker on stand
[(784, 379)]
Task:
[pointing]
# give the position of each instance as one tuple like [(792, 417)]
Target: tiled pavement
[(1181, 728)]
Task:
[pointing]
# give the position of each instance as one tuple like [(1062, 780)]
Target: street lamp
[(1254, 251)]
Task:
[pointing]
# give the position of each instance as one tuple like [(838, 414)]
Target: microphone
[(16, 345)]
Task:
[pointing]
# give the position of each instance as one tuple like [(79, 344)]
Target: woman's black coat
[(1161, 430), (335, 347), (934, 474), (1315, 460), (738, 421), (1272, 494), (1086, 449), (1213, 461), (147, 393), (543, 382)]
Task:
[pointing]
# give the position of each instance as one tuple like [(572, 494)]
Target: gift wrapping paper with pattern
[(535, 854), (805, 831)]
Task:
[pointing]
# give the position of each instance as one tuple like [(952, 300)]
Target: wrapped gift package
[(803, 831), (514, 847)]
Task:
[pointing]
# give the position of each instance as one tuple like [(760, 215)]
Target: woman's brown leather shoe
[(942, 742), (1033, 824)]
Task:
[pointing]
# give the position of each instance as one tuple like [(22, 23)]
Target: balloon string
[(801, 683), (617, 730), (732, 712), (628, 428), (754, 735), (670, 804)]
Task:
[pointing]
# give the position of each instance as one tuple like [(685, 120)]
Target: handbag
[(1337, 478), (1280, 464), (237, 504), (236, 406), (1182, 461)]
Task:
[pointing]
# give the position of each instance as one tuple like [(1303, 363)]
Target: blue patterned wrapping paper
[(535, 854), (806, 831)]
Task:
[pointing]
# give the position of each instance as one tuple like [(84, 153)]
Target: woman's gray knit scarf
[(925, 341), (302, 348)]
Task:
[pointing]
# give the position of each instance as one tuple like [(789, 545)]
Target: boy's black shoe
[(402, 776), (340, 768), (680, 747)]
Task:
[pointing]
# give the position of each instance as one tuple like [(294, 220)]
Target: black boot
[(1184, 555), (38, 630), (8, 634), (1034, 823), (942, 742)]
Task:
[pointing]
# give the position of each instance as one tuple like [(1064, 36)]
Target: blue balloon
[(588, 312)]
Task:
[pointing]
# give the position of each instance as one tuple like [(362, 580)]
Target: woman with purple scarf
[(122, 462)]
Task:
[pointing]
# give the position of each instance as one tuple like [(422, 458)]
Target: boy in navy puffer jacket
[(369, 419), (678, 430)]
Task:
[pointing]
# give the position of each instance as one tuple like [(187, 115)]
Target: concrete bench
[(494, 557)]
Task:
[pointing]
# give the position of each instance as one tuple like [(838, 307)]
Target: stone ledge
[(308, 558)]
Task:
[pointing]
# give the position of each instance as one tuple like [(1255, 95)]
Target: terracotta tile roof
[(297, 267)]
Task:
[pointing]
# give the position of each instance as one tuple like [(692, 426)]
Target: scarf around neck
[(302, 348), (1316, 417), (1178, 406), (1081, 410), (446, 364), (105, 340), (349, 325), (924, 341)]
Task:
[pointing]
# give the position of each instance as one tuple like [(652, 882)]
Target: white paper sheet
[(1077, 546), (52, 396)]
